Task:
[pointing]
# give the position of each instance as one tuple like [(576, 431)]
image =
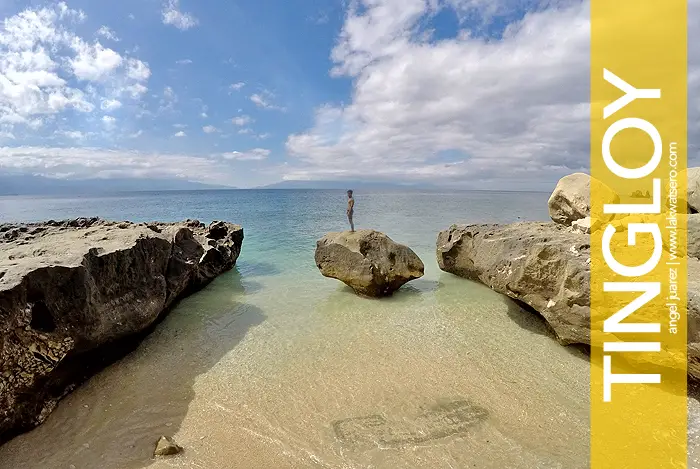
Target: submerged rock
[(77, 294), (367, 261), (166, 446)]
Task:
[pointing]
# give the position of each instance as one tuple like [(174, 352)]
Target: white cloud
[(174, 17), (106, 163), (46, 68), (108, 121), (138, 70), (241, 120), (73, 134), (136, 134), (180, 134), (465, 109), (168, 100), (183, 62), (180, 126), (245, 131), (209, 129), (256, 154), (93, 62), (110, 105), (263, 102), (136, 90), (107, 33), (237, 86)]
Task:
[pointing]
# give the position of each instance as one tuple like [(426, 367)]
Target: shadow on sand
[(529, 319), (114, 420)]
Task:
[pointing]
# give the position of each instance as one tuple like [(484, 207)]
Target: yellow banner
[(638, 210)]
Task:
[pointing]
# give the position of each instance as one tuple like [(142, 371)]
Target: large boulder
[(547, 267), (544, 265), (75, 295), (571, 199), (367, 261)]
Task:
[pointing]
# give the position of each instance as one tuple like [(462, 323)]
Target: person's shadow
[(114, 419)]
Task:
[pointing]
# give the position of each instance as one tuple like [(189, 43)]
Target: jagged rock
[(72, 296), (367, 261), (166, 446), (571, 199)]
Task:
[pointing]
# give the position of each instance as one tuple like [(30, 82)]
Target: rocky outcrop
[(543, 265), (547, 267), (367, 261), (74, 293), (571, 199)]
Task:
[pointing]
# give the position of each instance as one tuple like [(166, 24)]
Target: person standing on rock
[(351, 210)]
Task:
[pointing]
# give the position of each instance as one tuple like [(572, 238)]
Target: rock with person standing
[(368, 261), (76, 295)]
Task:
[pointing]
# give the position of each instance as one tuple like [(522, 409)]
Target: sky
[(473, 94)]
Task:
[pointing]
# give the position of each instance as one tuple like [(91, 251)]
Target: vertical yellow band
[(638, 265)]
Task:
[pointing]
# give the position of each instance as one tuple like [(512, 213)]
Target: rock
[(166, 446), (571, 199), (694, 235), (367, 261), (582, 226), (693, 189), (82, 293), (217, 230), (544, 265)]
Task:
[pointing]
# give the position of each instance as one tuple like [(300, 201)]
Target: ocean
[(274, 366)]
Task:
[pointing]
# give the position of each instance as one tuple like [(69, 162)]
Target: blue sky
[(466, 93)]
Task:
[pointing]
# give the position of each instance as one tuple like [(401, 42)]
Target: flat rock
[(73, 291), (367, 261)]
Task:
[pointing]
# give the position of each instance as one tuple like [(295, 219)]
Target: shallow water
[(274, 366)]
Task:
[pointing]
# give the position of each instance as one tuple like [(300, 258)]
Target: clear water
[(273, 366)]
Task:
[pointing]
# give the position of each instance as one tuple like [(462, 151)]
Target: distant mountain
[(39, 185), (354, 185)]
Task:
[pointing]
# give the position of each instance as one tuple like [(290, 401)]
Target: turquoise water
[(274, 366), (285, 224)]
